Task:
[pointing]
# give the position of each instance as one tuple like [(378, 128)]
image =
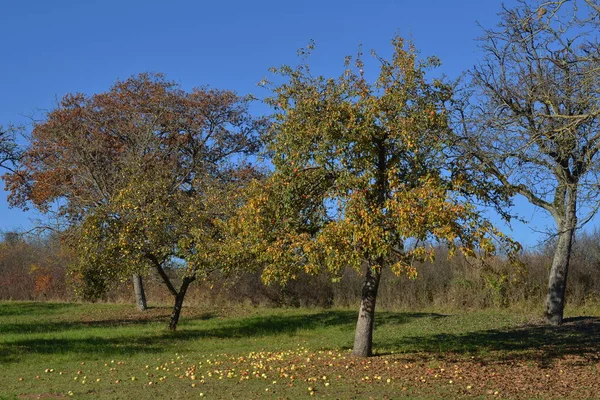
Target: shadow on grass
[(86, 347), (290, 324), (158, 340), (540, 343), (73, 319), (33, 308), (61, 326), (102, 337)]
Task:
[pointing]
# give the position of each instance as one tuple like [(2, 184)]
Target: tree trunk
[(557, 282), (363, 335), (140, 295), (179, 302)]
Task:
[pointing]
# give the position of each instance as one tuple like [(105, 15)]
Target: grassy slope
[(112, 352)]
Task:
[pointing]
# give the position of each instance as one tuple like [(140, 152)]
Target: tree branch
[(162, 273)]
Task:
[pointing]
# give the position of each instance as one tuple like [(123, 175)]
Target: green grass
[(55, 350)]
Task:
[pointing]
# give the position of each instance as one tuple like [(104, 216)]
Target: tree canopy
[(361, 177), (137, 173)]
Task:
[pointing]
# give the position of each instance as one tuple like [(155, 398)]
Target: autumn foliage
[(150, 177), (361, 178), (139, 174)]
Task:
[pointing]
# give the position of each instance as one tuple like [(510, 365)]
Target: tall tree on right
[(534, 124)]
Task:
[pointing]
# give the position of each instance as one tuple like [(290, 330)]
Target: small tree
[(153, 224), (535, 123), (361, 179)]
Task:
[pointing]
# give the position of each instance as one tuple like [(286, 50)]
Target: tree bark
[(557, 282), (179, 302), (363, 335), (140, 294), (162, 274)]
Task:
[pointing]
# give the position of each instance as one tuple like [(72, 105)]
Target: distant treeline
[(36, 268)]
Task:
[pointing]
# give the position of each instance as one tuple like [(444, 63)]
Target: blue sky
[(50, 48)]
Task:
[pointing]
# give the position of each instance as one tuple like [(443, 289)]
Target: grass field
[(102, 351)]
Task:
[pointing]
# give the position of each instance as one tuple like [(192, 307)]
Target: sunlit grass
[(113, 351)]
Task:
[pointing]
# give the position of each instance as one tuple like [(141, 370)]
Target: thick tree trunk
[(363, 336), (557, 282), (140, 295), (179, 302)]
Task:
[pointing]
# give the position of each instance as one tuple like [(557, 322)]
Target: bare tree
[(9, 151), (534, 119)]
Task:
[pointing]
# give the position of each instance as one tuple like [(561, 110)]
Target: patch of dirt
[(571, 376)]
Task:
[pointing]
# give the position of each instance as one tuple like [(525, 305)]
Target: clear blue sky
[(50, 48)]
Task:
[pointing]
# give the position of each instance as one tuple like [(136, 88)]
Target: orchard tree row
[(367, 169)]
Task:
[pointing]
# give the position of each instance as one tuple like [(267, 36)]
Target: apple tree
[(133, 170), (362, 178)]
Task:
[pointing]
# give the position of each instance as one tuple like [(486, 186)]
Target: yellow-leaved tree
[(362, 178)]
